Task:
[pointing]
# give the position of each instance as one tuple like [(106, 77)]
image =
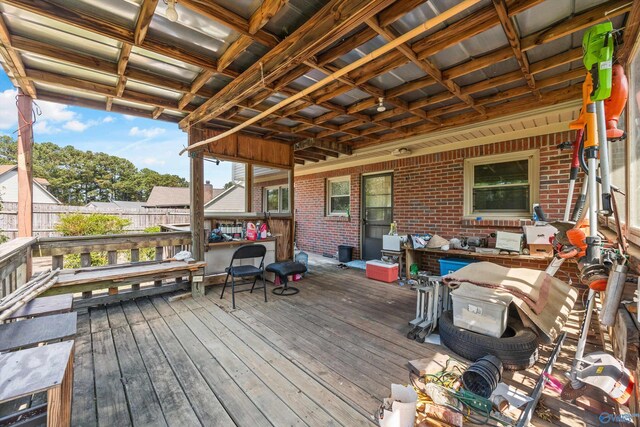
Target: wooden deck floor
[(326, 356)]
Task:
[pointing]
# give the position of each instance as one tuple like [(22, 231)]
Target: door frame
[(362, 196)]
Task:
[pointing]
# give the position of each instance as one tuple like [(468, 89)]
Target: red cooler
[(382, 271)]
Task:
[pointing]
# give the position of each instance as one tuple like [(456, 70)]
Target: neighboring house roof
[(117, 204), (40, 183), (230, 200), (167, 197), (217, 192)]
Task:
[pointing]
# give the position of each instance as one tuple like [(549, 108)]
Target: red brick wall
[(257, 196), (428, 194)]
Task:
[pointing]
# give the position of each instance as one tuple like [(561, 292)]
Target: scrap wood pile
[(21, 296)]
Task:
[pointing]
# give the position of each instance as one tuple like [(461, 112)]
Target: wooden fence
[(45, 217)]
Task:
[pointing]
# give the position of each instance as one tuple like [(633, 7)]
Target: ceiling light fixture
[(381, 108), (171, 13)]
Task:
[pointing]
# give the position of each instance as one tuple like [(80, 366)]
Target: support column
[(248, 188), (25, 166), (196, 185)]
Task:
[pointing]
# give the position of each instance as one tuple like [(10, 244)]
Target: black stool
[(283, 270)]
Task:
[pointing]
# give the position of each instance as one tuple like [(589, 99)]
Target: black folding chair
[(246, 271)]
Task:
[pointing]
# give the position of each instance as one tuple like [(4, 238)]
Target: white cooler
[(479, 310)]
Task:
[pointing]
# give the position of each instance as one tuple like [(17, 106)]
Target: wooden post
[(248, 188), (59, 399), (85, 261), (112, 259), (196, 165), (25, 174), (135, 257)]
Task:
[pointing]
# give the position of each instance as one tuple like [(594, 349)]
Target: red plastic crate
[(378, 270)]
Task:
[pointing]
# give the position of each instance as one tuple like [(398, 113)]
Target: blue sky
[(147, 143)]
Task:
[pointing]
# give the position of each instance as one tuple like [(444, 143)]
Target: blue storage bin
[(449, 265)]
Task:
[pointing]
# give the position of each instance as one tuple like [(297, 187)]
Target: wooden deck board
[(326, 356)]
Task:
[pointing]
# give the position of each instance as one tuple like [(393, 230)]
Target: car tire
[(517, 348)]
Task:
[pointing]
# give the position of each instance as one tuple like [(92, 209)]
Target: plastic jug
[(252, 233)]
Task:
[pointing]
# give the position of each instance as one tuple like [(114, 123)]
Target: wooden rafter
[(229, 19), (425, 65), (147, 10), (325, 145), (58, 11), (267, 10), (511, 32), (324, 28), (631, 35), (13, 61)]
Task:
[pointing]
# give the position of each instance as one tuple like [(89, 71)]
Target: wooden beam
[(196, 85), (397, 11), (308, 154), (511, 32), (102, 89), (631, 35), (147, 10), (267, 10), (603, 12), (229, 19), (425, 65), (157, 112), (325, 145), (196, 169), (59, 11), (13, 61), (322, 151), (99, 105), (25, 165), (324, 28), (298, 161), (233, 51)]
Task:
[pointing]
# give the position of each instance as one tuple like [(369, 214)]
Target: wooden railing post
[(159, 250), (112, 259), (85, 261), (135, 257), (57, 261)]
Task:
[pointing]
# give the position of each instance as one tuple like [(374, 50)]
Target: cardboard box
[(509, 241), (543, 251), (539, 234)]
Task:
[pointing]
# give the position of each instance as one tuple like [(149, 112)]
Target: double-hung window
[(338, 196), (503, 185)]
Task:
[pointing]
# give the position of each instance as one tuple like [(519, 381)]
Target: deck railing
[(14, 264), (119, 248)]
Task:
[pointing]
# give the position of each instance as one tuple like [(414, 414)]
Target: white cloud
[(146, 133), (108, 119), (8, 112), (128, 117), (42, 127), (76, 126), (56, 113), (153, 161)]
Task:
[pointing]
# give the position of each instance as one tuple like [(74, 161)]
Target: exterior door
[(377, 212)]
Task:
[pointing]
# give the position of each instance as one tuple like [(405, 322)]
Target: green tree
[(78, 177)]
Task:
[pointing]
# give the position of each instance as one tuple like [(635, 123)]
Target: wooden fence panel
[(46, 216)]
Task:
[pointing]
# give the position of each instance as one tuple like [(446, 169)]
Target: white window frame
[(533, 177), (328, 197), (280, 207)]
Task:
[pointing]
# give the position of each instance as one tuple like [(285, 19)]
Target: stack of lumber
[(21, 296)]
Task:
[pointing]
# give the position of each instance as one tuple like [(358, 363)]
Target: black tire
[(517, 348)]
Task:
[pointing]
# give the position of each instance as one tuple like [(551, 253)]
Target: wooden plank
[(277, 376), (13, 61), (43, 306), (117, 318), (142, 401), (99, 319), (33, 370), (281, 402), (31, 332), (84, 400), (239, 405), (112, 402), (147, 9), (59, 399), (132, 312), (129, 295), (174, 402)]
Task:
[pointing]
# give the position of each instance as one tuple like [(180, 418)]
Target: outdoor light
[(171, 14), (381, 108)]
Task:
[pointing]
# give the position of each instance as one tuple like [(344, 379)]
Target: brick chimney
[(208, 191)]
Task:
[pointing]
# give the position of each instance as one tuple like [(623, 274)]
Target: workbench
[(412, 255), (218, 257)]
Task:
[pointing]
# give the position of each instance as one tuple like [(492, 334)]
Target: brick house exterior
[(427, 196)]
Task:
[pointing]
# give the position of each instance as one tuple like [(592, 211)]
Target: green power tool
[(597, 45)]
